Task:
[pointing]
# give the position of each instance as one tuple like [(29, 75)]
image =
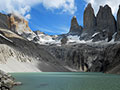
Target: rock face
[(4, 21), (118, 20), (20, 26), (19, 53), (118, 26), (106, 22), (89, 23), (89, 57), (100, 27), (64, 40), (89, 18), (75, 29)]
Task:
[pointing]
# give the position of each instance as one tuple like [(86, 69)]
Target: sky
[(53, 16)]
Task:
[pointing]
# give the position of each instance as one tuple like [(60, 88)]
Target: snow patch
[(95, 34), (113, 38)]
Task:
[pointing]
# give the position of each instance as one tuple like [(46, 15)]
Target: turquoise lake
[(67, 81)]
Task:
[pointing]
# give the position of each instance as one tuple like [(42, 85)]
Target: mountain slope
[(18, 55)]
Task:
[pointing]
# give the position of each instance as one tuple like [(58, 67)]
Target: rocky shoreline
[(7, 81)]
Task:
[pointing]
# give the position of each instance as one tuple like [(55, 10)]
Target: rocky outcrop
[(38, 32), (7, 81), (118, 20), (117, 38), (64, 40), (106, 22), (18, 24), (89, 57), (89, 22), (89, 18), (101, 27), (75, 29), (19, 53), (4, 21)]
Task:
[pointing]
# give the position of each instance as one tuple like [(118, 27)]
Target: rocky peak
[(38, 32), (75, 28), (118, 20), (106, 21), (18, 24), (89, 17), (117, 37)]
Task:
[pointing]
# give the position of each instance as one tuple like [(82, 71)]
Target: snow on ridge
[(6, 38)]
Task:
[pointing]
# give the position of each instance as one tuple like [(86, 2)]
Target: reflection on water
[(67, 81)]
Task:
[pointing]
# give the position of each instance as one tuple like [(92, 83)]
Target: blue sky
[(53, 16), (54, 21)]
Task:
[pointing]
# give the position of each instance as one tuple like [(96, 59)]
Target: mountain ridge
[(94, 47)]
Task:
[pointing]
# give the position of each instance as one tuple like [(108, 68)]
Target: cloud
[(114, 4), (66, 5), (23, 7)]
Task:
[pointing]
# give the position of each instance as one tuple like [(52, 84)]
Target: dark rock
[(75, 29), (106, 22), (89, 23), (118, 20), (4, 21), (64, 40), (89, 57), (89, 18), (117, 38)]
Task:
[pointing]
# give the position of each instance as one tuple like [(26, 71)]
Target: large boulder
[(75, 29), (105, 23)]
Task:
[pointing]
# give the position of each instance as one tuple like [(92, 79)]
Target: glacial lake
[(67, 81)]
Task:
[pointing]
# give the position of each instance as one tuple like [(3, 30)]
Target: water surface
[(67, 81)]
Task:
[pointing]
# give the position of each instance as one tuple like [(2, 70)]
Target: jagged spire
[(89, 17), (75, 28)]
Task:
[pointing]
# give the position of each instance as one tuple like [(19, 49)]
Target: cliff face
[(20, 55), (89, 57), (106, 22), (18, 25), (100, 27), (89, 23), (4, 21), (89, 18)]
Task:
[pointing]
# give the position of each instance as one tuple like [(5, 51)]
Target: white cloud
[(23, 6), (27, 16), (66, 5), (114, 4)]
